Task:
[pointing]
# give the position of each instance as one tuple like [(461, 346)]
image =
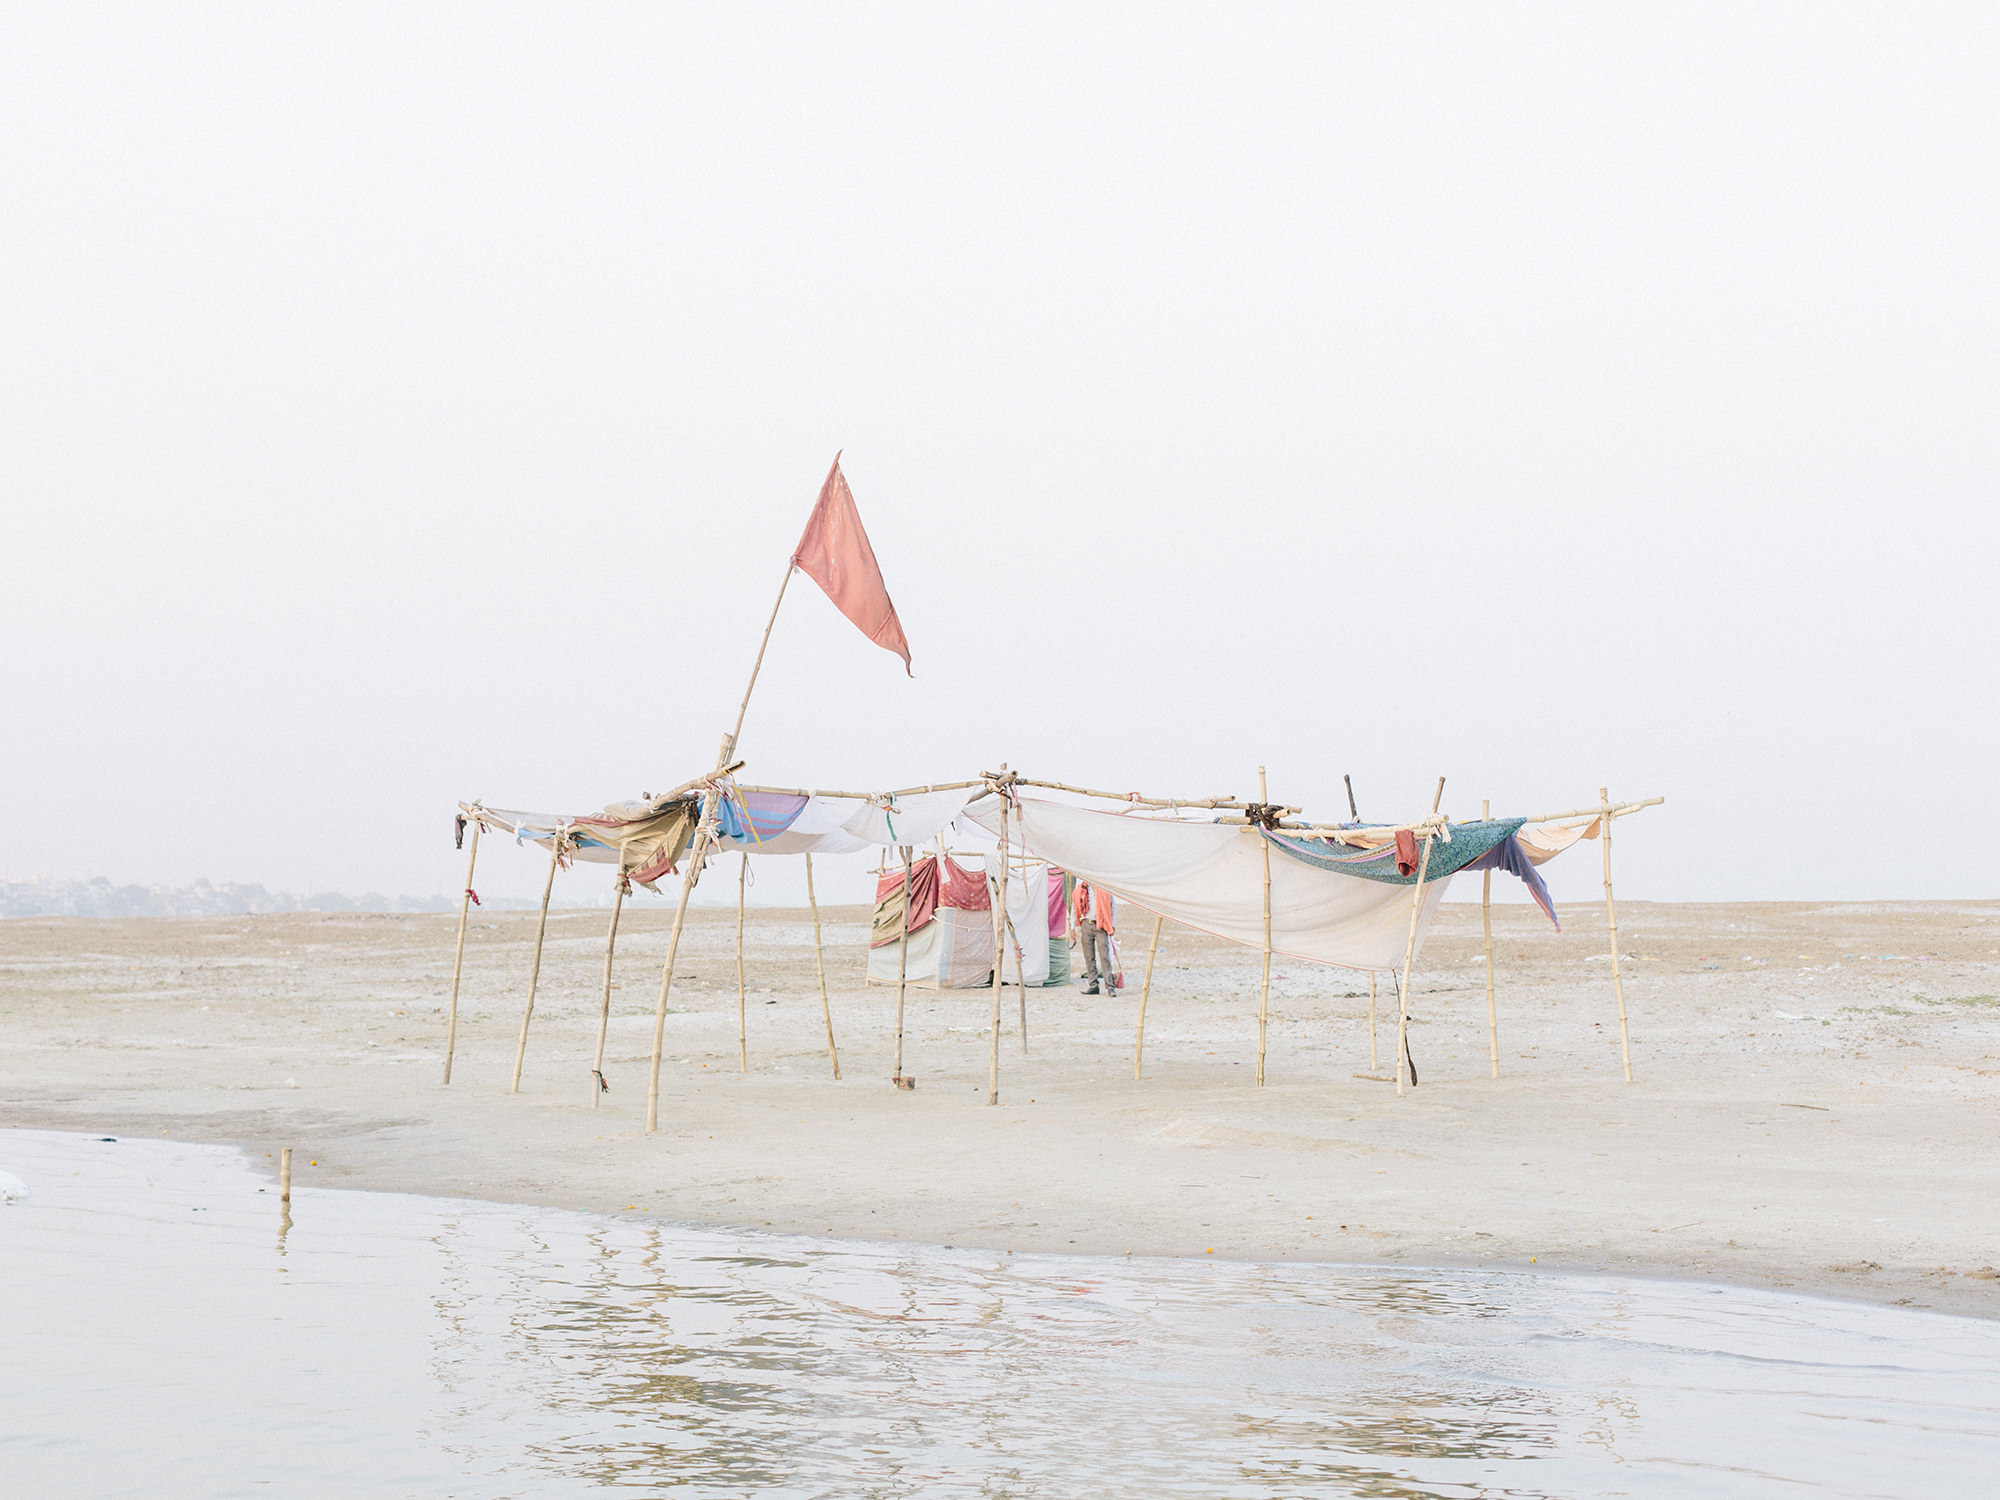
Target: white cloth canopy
[(844, 825), (1210, 877)]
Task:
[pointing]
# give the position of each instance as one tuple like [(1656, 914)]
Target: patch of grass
[(1876, 1010), (1958, 999)]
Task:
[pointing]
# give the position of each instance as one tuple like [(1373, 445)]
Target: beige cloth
[(1543, 844)]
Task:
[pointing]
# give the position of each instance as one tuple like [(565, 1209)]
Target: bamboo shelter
[(1353, 895)]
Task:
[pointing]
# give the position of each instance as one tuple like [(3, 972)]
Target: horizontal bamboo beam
[(1127, 797), (907, 791), (1317, 830)]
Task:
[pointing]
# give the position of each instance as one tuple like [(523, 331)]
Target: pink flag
[(834, 553)]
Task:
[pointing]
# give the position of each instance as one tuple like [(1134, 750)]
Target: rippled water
[(163, 1338)]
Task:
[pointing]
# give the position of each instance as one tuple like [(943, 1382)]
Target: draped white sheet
[(541, 828), (843, 825), (1028, 911), (1210, 877)]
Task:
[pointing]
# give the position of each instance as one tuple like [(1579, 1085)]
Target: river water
[(167, 1334)]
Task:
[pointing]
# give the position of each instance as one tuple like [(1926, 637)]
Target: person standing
[(1095, 913)]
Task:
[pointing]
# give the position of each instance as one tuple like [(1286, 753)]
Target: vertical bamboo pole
[(819, 961), (1020, 975), (902, 966), (1145, 989), (1373, 1065), (742, 1028), (1023, 983), (458, 961), (535, 973), (999, 939), (1409, 956), (694, 859), (1611, 921), (1410, 952), (598, 1087), (285, 1175), (1486, 921), (1264, 984)]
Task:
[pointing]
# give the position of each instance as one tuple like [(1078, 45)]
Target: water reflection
[(409, 1346)]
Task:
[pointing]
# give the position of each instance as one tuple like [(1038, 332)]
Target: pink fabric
[(834, 553), (1058, 918), (923, 896), (964, 889)]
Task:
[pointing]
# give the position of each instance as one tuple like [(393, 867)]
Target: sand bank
[(1817, 1088)]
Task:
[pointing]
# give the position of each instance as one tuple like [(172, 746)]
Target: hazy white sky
[(405, 403)]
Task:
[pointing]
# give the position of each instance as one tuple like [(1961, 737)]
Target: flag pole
[(729, 745)]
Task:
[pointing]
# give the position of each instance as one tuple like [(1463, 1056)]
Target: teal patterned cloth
[(1469, 842)]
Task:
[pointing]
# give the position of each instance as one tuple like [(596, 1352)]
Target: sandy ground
[(1814, 1103)]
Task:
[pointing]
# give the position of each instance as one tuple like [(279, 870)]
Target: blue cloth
[(729, 818), (1508, 855)]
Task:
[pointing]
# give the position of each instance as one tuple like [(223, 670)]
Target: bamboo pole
[(907, 791), (819, 961), (902, 967), (1264, 984), (723, 765), (1000, 925), (285, 1175), (1611, 921), (1022, 983), (1020, 978), (1145, 989), (729, 745), (1129, 797), (694, 859), (598, 1087), (1410, 954), (535, 973), (1373, 1065), (742, 1026), (458, 960), (1377, 832), (1486, 922)]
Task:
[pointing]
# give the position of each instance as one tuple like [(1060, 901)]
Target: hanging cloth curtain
[(1210, 877)]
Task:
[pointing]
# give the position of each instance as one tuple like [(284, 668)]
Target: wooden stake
[(902, 966), (742, 1028), (285, 1175), (535, 973), (1000, 925), (1145, 989), (1264, 985), (819, 960), (1611, 921), (694, 859), (1410, 954), (598, 1087), (458, 960), (1486, 921)]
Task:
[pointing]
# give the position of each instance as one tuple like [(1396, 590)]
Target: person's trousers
[(1096, 955)]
